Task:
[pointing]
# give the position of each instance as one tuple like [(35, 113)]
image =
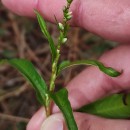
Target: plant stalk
[(56, 60), (52, 81), (54, 69)]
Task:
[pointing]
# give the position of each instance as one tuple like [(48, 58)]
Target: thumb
[(84, 122), (54, 122)]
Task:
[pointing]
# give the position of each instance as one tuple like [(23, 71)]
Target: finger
[(84, 122), (109, 19), (37, 120), (93, 84)]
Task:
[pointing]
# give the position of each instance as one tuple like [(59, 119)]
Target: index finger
[(109, 19), (93, 84)]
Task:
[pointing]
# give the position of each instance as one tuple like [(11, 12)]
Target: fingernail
[(52, 123)]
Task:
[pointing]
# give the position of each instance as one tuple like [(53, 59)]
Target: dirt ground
[(21, 37)]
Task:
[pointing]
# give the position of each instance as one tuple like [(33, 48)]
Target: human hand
[(109, 19)]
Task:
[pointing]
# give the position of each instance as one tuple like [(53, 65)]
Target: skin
[(107, 18)]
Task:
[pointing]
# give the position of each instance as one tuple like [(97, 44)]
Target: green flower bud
[(64, 40), (61, 27), (68, 15), (69, 1)]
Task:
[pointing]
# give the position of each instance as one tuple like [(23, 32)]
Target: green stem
[(54, 66), (48, 111), (52, 81), (54, 69)]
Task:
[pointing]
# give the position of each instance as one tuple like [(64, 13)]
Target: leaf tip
[(113, 73)]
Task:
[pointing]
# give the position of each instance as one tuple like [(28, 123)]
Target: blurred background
[(21, 37)]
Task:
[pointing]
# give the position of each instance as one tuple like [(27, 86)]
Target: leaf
[(44, 30), (116, 106), (107, 70), (27, 69), (61, 100)]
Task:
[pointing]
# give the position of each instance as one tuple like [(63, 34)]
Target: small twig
[(13, 118)]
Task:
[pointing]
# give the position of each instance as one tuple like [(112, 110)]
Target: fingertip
[(55, 122), (21, 7), (49, 9), (37, 120)]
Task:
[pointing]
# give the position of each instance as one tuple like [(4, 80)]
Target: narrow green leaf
[(27, 69), (46, 33), (61, 100), (116, 106), (107, 70)]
